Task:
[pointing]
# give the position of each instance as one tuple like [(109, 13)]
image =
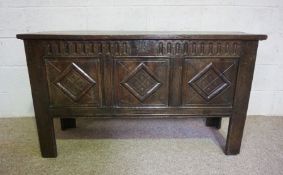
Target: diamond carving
[(141, 82), (74, 82), (209, 82)]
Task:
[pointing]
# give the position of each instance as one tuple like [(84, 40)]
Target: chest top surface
[(104, 35)]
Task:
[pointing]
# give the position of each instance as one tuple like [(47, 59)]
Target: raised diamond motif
[(141, 82), (74, 82), (209, 82)]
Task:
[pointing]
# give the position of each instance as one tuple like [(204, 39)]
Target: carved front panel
[(141, 82), (73, 81), (209, 81), (206, 69)]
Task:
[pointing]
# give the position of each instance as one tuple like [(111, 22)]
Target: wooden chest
[(140, 74)]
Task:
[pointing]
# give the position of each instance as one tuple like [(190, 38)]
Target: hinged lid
[(131, 35)]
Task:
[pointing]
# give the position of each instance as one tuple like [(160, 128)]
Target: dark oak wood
[(241, 100), (144, 75), (148, 112), (38, 79), (110, 35)]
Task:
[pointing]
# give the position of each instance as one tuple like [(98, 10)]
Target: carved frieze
[(87, 48), (144, 48)]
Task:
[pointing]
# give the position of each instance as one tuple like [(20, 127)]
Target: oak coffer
[(140, 74)]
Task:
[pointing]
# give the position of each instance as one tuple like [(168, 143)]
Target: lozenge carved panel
[(141, 82), (209, 81), (73, 82)]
